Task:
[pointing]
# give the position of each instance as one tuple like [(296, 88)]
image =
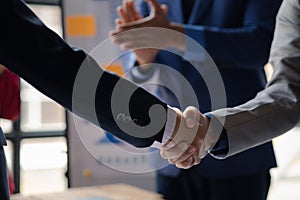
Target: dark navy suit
[(237, 35), (42, 58)]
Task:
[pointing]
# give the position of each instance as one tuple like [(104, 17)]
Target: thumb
[(192, 116), (153, 4), (164, 8)]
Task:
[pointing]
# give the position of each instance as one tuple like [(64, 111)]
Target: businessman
[(74, 79), (274, 111), (238, 37), (43, 59)]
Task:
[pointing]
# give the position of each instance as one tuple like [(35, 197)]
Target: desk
[(105, 192)]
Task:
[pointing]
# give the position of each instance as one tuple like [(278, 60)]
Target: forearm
[(258, 121), (276, 109)]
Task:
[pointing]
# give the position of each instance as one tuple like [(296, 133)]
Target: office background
[(37, 143)]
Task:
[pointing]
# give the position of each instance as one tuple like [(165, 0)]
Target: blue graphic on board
[(109, 138)]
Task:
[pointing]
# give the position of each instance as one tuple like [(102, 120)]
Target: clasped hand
[(146, 35), (189, 142)]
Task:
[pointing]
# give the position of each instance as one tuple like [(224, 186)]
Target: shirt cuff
[(169, 128), (139, 77)]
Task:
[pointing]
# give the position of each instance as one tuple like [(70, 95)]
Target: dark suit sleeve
[(247, 46), (43, 59)]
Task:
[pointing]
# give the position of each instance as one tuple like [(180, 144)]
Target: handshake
[(190, 139)]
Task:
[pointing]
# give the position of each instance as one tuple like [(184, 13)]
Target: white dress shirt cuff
[(169, 128)]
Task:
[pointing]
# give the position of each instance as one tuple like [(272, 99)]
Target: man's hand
[(185, 147), (131, 19), (129, 16), (139, 39)]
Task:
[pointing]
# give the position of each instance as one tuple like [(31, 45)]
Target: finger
[(124, 5), (182, 133), (186, 164), (175, 152), (164, 8), (119, 36), (118, 9), (119, 39), (127, 45), (122, 13), (134, 11), (190, 152), (118, 21), (170, 144), (129, 11), (196, 157), (112, 33), (192, 116), (197, 160), (154, 5)]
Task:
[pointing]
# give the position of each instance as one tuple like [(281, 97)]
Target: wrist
[(168, 140), (144, 68), (146, 56), (143, 63)]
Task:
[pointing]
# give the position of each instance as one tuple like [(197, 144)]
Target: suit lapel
[(200, 6)]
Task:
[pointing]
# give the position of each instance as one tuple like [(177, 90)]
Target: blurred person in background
[(237, 35)]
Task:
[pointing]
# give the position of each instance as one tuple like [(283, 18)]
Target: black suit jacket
[(43, 59)]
